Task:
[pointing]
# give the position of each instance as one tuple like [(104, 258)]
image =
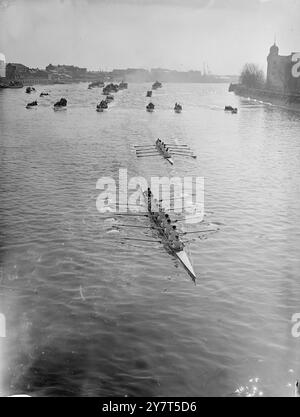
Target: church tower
[(2, 66), (277, 70)]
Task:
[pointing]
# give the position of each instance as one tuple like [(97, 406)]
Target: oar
[(177, 152), (147, 153), (143, 156), (199, 231), (178, 198), (184, 154), (179, 149), (185, 219), (125, 214), (144, 146), (141, 240), (134, 225), (183, 209), (184, 148), (172, 144), (145, 149)]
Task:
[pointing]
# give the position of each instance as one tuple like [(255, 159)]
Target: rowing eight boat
[(181, 255), (168, 158)]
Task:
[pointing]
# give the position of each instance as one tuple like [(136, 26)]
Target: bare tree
[(252, 76)]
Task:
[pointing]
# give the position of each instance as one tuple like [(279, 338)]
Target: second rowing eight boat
[(164, 153)]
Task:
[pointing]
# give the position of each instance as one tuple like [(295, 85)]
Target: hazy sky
[(176, 34)]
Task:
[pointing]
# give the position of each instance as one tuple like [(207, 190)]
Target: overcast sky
[(175, 34)]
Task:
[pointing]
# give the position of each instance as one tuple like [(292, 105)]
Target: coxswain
[(177, 245)]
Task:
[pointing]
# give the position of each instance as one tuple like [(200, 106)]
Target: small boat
[(109, 98), (60, 105), (32, 105), (96, 84), (156, 85), (297, 389), (181, 255), (150, 107), (233, 110), (29, 90), (165, 154), (103, 105), (12, 84), (149, 93), (178, 108), (115, 88), (110, 88)]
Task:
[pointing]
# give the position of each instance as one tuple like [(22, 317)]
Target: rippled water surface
[(87, 315)]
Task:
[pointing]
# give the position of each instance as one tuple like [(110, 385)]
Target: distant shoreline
[(287, 101), (32, 82)]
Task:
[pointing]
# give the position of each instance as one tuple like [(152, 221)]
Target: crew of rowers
[(163, 220), (162, 146)]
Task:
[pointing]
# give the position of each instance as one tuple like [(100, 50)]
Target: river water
[(88, 315)]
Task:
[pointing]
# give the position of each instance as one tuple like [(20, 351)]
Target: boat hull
[(59, 108), (184, 259), (181, 255), (168, 158)]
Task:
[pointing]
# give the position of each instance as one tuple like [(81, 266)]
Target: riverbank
[(289, 101)]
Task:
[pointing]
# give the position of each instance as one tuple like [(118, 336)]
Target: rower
[(161, 218), (149, 195), (164, 220), (177, 245), (155, 204), (168, 227), (173, 233), (154, 215)]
